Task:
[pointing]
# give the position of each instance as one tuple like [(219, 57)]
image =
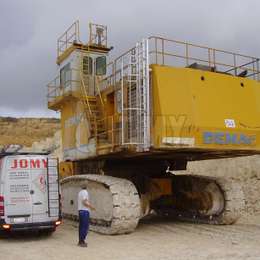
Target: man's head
[(83, 186)]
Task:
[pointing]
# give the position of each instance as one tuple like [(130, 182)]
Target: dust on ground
[(154, 239)]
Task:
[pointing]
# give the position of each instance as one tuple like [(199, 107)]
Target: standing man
[(84, 208)]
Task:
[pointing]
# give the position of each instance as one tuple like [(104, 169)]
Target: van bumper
[(29, 226)]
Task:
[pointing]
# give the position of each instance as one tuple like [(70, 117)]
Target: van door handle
[(31, 192), (37, 203)]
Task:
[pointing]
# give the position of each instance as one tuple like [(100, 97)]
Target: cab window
[(101, 65), (65, 75), (87, 65)]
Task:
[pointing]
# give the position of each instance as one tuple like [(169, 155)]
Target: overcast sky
[(29, 30)]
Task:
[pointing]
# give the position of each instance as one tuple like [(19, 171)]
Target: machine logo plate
[(225, 138)]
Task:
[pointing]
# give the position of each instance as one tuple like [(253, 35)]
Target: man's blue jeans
[(83, 224)]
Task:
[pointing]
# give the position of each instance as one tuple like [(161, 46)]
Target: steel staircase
[(92, 112)]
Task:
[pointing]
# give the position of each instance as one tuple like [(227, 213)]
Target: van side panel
[(38, 171), (25, 189), (1, 186), (17, 186)]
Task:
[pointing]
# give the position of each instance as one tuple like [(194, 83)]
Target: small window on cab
[(87, 65), (101, 66), (65, 75)]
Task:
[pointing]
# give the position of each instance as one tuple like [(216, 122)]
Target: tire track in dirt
[(234, 232)]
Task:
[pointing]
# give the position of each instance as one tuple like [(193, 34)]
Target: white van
[(29, 193)]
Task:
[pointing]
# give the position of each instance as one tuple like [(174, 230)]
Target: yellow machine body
[(204, 110), (193, 112)]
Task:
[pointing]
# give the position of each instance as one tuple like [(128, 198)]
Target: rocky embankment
[(245, 170), (26, 131)]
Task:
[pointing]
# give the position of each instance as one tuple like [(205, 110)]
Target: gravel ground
[(154, 239)]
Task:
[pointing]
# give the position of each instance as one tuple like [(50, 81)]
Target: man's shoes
[(82, 244)]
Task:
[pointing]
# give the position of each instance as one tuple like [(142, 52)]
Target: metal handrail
[(200, 46), (163, 53), (55, 86), (111, 130), (99, 91), (70, 36), (161, 50), (83, 92), (241, 66), (206, 61)]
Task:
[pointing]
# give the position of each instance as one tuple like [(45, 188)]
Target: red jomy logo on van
[(29, 163)]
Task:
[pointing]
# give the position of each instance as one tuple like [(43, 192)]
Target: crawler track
[(234, 203), (118, 215), (118, 206)]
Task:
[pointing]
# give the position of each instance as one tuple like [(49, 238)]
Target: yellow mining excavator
[(131, 124)]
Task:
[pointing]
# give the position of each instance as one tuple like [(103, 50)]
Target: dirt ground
[(154, 239)]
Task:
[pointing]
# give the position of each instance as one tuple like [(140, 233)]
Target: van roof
[(3, 154)]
